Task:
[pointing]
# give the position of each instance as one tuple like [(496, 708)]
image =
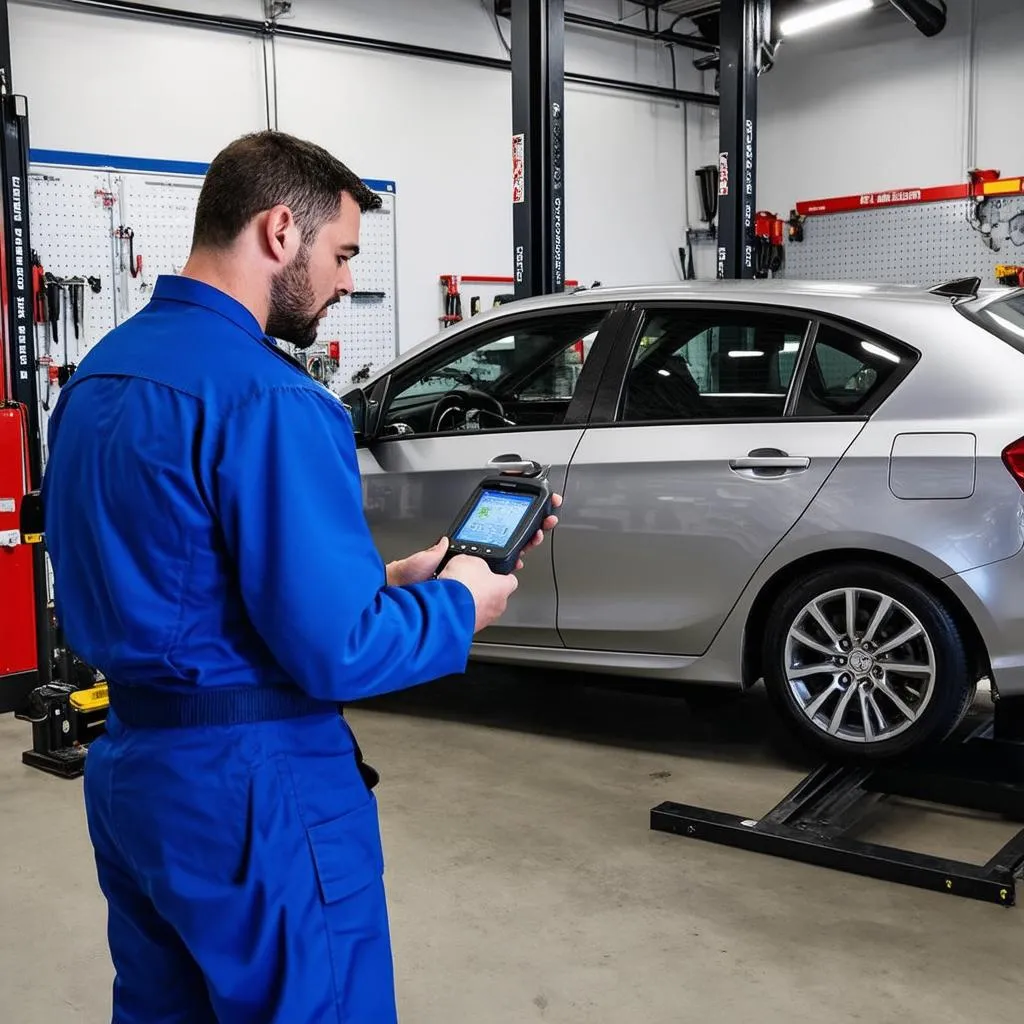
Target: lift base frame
[(816, 821)]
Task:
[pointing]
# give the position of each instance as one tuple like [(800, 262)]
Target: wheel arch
[(757, 617)]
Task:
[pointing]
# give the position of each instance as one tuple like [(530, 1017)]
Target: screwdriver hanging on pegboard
[(134, 266)]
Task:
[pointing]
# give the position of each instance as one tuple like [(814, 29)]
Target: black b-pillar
[(538, 146), (742, 29)]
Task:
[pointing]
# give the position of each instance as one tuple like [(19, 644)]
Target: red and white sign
[(723, 174), (910, 196), (519, 168)]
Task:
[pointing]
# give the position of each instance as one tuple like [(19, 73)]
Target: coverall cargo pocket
[(347, 852)]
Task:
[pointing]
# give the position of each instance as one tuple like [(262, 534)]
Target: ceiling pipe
[(676, 38), (252, 27)]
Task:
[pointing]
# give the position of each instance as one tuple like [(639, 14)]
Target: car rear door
[(697, 471), (543, 369)]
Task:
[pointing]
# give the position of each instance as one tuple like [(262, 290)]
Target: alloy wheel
[(859, 664)]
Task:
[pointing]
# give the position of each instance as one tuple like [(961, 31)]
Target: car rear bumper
[(993, 596)]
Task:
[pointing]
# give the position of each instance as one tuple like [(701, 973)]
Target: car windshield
[(1004, 318)]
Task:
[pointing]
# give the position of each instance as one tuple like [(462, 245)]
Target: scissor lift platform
[(817, 821)]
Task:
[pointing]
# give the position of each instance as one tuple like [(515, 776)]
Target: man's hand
[(490, 590), (421, 566), (416, 568), (546, 527)]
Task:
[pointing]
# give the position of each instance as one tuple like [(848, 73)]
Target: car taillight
[(1013, 459)]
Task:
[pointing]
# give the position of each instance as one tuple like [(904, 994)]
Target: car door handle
[(514, 464), (770, 462)]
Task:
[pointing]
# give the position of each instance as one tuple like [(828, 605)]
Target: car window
[(1003, 318), (849, 374), (702, 364), (523, 373)]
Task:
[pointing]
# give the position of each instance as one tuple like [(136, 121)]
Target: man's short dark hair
[(261, 170)]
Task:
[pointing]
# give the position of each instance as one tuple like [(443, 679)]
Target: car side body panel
[(922, 481), (663, 527)]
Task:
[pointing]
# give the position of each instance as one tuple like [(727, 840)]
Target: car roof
[(775, 290), (770, 291)]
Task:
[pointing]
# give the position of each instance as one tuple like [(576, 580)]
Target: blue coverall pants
[(242, 867)]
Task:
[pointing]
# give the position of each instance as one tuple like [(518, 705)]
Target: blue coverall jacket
[(204, 520)]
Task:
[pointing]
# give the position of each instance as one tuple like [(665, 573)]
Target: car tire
[(866, 694)]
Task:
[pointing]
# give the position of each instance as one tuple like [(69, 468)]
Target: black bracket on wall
[(538, 146)]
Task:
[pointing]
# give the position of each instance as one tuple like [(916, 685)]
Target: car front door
[(709, 453), (522, 384)]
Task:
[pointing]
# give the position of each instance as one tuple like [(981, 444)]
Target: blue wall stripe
[(121, 163), (134, 163)]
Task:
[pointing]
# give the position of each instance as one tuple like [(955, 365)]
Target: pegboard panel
[(159, 210), (366, 324), (922, 244), (70, 227), (76, 234), (71, 212)]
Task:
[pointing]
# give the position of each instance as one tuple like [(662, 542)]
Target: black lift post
[(538, 146), (817, 821), (19, 339), (743, 30)]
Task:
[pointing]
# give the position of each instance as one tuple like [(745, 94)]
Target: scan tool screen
[(494, 518)]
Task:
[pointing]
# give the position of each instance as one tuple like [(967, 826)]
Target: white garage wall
[(100, 83), (874, 105)]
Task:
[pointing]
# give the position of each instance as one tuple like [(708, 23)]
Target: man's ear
[(281, 234)]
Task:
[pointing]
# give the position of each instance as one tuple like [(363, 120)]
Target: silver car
[(817, 485)]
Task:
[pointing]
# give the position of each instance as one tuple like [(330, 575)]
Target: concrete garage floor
[(526, 886)]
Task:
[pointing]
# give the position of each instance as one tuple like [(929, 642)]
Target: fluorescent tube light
[(823, 15)]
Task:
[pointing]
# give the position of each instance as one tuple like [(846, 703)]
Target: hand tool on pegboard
[(134, 265), (53, 304), (452, 300), (64, 376), (795, 224), (769, 252), (76, 296), (41, 318), (983, 214), (1010, 275)]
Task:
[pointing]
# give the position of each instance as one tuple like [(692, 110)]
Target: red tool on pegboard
[(769, 252), (452, 300)]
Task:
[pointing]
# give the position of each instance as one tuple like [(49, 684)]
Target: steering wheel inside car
[(444, 415)]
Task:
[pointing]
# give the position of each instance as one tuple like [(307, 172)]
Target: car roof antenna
[(960, 288)]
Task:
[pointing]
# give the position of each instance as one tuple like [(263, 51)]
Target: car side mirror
[(355, 404)]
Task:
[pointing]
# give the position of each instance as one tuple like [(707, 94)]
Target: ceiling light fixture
[(823, 15)]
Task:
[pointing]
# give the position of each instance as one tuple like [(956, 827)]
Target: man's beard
[(291, 299)]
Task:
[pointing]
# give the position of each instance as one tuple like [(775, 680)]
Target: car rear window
[(1003, 318)]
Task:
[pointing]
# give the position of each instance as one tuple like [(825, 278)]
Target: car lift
[(982, 771), (744, 33), (538, 146), (53, 690)]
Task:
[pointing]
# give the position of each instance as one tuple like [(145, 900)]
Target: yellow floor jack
[(69, 713), (65, 720)]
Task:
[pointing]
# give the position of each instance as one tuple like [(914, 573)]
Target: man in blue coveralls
[(204, 518)]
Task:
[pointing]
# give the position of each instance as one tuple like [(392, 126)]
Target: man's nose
[(345, 285)]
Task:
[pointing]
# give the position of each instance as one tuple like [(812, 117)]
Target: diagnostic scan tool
[(501, 515)]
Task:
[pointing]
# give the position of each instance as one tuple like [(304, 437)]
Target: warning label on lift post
[(519, 168)]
